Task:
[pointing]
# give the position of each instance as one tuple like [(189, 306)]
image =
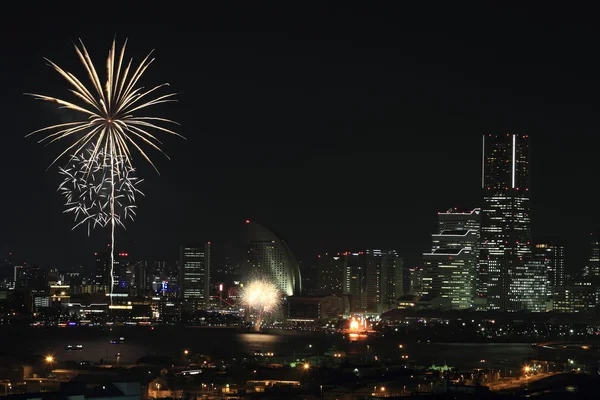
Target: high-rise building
[(270, 257), (415, 277), (592, 268), (142, 277), (527, 291), (553, 257), (7, 272), (194, 275), (330, 274), (372, 278), (344, 273), (384, 278), (103, 277), (449, 269), (31, 278), (309, 273), (505, 222)]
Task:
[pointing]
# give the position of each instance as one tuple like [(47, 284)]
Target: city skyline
[(494, 180), (302, 200), (331, 116)]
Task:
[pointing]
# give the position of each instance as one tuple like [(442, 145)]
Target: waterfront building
[(270, 257)]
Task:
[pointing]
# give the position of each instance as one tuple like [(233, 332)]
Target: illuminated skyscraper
[(449, 269), (194, 275), (505, 223), (270, 256), (553, 257)]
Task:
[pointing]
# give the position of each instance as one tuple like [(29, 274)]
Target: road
[(517, 383)]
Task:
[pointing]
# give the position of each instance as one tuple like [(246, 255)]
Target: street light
[(306, 366), (49, 359), (186, 352)]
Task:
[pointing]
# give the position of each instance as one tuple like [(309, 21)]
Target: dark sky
[(341, 128)]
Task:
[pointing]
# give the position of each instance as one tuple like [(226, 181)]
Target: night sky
[(341, 129)]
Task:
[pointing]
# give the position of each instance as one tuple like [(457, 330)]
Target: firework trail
[(110, 117), (261, 299), (87, 189)]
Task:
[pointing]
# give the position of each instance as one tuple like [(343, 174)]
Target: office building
[(415, 277), (592, 268), (31, 278), (194, 275), (383, 279), (372, 278), (553, 257), (450, 267), (505, 219), (575, 296), (527, 290), (103, 278), (330, 274)]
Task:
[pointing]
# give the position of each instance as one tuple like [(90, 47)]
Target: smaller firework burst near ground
[(261, 300)]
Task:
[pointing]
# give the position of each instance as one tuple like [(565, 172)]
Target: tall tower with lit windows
[(194, 275), (505, 223)]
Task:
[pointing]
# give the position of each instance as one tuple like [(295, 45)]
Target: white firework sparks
[(86, 189), (261, 298)]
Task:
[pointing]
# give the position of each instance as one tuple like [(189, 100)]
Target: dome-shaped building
[(270, 256)]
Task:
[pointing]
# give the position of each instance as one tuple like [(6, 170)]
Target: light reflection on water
[(172, 341)]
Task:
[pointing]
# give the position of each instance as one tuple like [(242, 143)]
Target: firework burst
[(112, 120), (86, 189), (261, 299), (109, 112)]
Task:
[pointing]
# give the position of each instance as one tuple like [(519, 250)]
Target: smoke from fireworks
[(261, 300), (86, 189)]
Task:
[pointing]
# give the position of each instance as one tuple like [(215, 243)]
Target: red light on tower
[(247, 221)]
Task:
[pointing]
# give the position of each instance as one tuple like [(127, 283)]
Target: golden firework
[(111, 122)]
